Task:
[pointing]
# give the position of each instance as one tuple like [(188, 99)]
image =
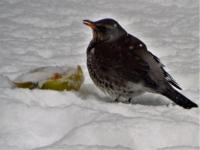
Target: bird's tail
[(179, 99)]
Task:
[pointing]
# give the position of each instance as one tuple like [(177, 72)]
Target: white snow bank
[(56, 120)]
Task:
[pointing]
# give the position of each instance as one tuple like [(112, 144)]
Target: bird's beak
[(90, 24)]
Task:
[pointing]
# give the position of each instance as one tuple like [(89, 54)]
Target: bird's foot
[(129, 100), (117, 99)]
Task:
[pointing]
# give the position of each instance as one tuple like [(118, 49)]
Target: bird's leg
[(117, 99), (129, 100)]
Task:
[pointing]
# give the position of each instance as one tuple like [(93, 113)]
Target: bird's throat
[(98, 37)]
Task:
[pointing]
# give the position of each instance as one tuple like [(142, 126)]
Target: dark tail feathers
[(179, 99)]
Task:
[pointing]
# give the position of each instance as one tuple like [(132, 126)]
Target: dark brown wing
[(133, 68), (156, 74), (167, 76)]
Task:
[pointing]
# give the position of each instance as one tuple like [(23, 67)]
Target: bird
[(121, 65)]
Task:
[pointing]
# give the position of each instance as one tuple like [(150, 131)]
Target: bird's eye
[(102, 28), (115, 25)]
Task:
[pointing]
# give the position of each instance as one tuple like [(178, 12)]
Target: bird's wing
[(167, 76), (140, 65), (133, 67)]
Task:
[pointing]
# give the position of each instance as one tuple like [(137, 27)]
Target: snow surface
[(41, 33)]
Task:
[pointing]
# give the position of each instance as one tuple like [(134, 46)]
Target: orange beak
[(90, 24)]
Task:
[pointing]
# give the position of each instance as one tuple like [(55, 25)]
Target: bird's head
[(105, 29)]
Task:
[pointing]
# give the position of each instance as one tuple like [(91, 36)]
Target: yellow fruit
[(69, 81), (28, 85)]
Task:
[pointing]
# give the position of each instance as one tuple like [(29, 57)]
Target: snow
[(36, 34)]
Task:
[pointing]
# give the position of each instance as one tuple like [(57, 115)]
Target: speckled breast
[(115, 87)]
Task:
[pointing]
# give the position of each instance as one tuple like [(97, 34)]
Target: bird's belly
[(122, 93), (112, 86)]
